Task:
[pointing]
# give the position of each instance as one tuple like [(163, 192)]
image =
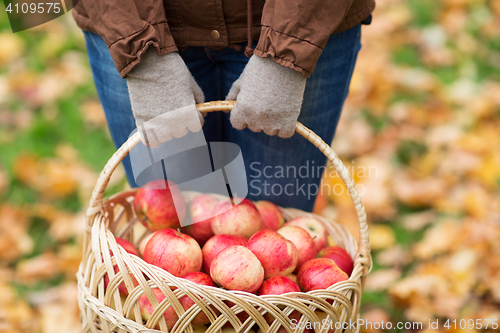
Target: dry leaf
[(419, 220), (375, 317), (382, 279), (41, 267), (93, 113), (417, 192), (14, 239), (58, 310), (381, 237), (12, 47), (394, 256), (440, 238)]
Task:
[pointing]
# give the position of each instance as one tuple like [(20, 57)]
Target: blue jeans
[(285, 171)]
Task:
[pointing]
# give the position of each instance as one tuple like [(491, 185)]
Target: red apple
[(218, 243), (155, 208), (314, 228), (271, 215), (201, 218), (144, 241), (147, 309), (277, 255), (173, 251), (127, 246), (186, 302), (242, 219), (319, 273), (340, 256), (302, 241), (278, 285), (237, 268)]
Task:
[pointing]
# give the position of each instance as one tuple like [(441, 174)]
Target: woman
[(282, 60)]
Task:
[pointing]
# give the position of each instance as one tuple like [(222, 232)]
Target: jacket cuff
[(289, 51), (126, 52)]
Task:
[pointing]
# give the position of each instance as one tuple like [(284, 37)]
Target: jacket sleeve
[(295, 32), (126, 33)]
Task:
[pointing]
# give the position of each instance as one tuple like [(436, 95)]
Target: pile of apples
[(246, 247)]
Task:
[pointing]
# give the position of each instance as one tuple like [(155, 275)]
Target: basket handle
[(364, 244)]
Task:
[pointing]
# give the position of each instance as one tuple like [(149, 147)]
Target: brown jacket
[(293, 32)]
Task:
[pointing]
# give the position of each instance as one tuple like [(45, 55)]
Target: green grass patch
[(408, 150), (407, 55), (18, 194), (378, 123), (447, 74), (39, 233), (69, 203), (425, 12)]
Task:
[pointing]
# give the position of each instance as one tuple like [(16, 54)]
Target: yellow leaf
[(12, 47), (381, 237)]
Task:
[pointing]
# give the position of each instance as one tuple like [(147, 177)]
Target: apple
[(147, 309), (127, 246), (237, 268), (271, 215), (302, 241), (314, 228), (144, 241), (277, 255), (278, 285), (319, 273), (201, 218), (186, 302), (340, 256), (154, 205), (242, 219), (173, 251), (218, 243)]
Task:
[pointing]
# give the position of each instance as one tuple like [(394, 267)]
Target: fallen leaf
[(437, 240), (374, 318), (394, 256), (12, 47), (382, 279), (14, 239), (381, 237), (419, 220), (93, 113), (41, 267)]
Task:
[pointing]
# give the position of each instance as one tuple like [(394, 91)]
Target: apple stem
[(179, 231)]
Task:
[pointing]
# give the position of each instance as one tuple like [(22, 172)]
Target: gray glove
[(163, 94), (269, 97)]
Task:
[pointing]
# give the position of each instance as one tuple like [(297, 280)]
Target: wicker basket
[(104, 310)]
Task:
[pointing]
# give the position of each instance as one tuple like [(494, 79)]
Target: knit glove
[(269, 97), (163, 94)]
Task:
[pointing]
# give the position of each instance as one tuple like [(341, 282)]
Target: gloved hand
[(163, 94), (269, 97)]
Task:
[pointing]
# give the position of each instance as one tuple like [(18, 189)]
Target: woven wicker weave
[(104, 310)]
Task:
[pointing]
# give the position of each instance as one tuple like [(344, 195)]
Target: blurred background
[(420, 133)]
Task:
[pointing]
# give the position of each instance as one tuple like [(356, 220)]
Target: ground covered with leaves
[(420, 134)]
